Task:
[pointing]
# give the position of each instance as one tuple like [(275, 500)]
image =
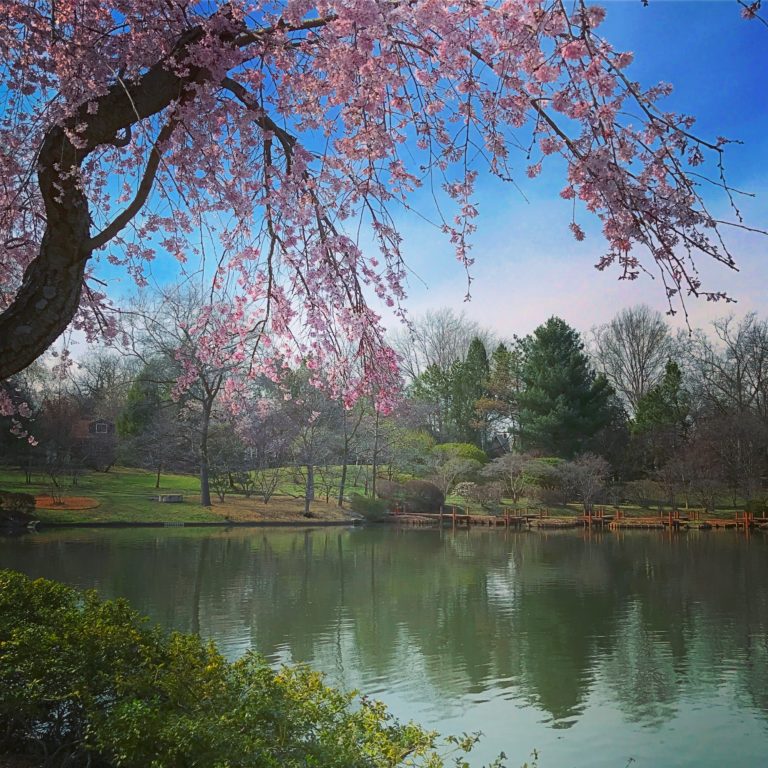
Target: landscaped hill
[(128, 495)]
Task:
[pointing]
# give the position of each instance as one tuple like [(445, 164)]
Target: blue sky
[(528, 266)]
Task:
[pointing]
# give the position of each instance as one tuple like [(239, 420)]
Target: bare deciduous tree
[(730, 374), (584, 478), (439, 338), (517, 472), (632, 350)]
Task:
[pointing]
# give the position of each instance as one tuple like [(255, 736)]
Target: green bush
[(756, 506), (370, 508), (463, 451), (88, 682), (17, 503)]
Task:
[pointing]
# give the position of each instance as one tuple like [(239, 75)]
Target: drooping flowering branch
[(273, 135)]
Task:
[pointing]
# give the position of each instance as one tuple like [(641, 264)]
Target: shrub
[(487, 495), (23, 503), (423, 496), (371, 509), (756, 506), (463, 451), (16, 509), (88, 682), (390, 491)]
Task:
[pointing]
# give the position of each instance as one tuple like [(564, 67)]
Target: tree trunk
[(205, 487), (375, 456), (343, 480), (157, 480), (309, 493), (50, 291)]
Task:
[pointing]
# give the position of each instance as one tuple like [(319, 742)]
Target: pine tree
[(469, 381), (563, 404), (497, 407), (661, 419)]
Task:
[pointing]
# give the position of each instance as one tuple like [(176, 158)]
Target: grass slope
[(125, 495)]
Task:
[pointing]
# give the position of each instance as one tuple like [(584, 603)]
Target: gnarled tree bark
[(53, 282)]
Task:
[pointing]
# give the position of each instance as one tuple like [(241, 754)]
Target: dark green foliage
[(497, 405), (469, 379), (756, 506), (374, 510), (563, 405), (423, 496), (666, 406), (22, 503), (416, 495), (144, 400), (661, 420), (456, 396), (434, 387), (87, 682)]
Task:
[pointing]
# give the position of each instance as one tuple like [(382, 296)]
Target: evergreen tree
[(665, 405), (144, 400), (469, 379), (563, 404), (662, 418), (497, 407), (434, 388)]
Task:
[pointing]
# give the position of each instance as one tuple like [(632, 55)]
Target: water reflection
[(649, 626)]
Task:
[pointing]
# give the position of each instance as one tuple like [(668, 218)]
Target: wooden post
[(453, 513)]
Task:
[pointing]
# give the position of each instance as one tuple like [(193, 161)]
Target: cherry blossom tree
[(254, 142)]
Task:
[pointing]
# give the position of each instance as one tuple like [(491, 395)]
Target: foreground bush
[(89, 682)]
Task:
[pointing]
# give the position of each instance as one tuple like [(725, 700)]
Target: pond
[(596, 650)]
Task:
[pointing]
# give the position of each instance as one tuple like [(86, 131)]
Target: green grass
[(123, 496)]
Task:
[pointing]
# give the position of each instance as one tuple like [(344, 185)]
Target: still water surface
[(596, 650)]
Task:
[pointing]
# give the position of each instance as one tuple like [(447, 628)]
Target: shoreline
[(309, 523)]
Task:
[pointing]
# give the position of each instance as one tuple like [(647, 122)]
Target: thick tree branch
[(142, 193)]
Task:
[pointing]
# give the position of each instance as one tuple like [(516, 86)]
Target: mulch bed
[(67, 502)]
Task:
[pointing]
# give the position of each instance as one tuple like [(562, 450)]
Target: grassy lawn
[(124, 495)]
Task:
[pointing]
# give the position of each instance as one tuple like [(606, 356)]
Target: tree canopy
[(563, 403), (253, 143)]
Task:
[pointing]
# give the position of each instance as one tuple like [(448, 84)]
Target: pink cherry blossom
[(256, 141)]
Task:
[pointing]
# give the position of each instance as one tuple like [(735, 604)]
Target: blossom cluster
[(292, 131)]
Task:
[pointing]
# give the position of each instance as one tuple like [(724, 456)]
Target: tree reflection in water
[(545, 620)]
